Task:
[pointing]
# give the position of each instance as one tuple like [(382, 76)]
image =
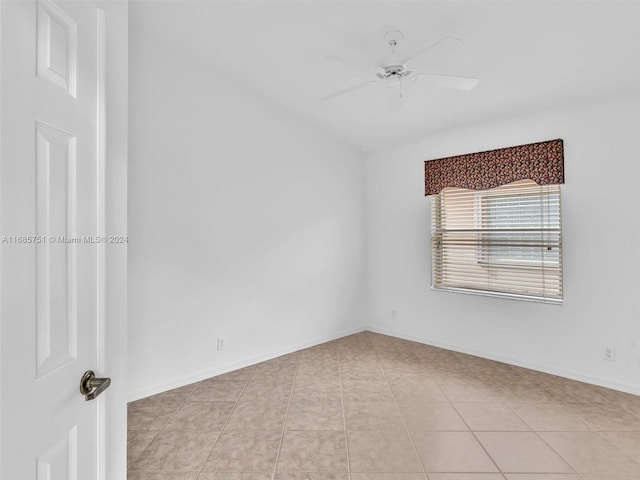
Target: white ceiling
[(528, 56)]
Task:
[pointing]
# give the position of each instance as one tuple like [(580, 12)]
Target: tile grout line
[(542, 439), (500, 472), (164, 424), (286, 417), (395, 401), (344, 413), (475, 436), (246, 382), (500, 400)]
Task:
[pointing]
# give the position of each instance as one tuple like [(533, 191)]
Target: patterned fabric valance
[(541, 162)]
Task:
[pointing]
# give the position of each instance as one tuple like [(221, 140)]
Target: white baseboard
[(229, 367), (602, 382), (220, 369)]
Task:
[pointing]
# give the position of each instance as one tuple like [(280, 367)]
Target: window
[(505, 241)]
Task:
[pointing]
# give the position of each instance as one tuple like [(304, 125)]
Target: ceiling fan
[(394, 69)]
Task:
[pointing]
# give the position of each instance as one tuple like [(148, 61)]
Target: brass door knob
[(91, 387)]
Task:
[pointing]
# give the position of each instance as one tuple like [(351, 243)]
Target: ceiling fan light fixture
[(393, 81)]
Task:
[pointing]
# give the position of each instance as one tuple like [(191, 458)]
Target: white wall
[(601, 238), (243, 224)]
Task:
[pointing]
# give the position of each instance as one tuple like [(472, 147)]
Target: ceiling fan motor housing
[(397, 71)]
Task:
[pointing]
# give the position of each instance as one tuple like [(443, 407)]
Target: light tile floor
[(372, 407)]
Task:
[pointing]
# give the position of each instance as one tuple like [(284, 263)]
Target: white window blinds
[(505, 241)]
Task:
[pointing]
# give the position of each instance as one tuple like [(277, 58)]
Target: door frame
[(113, 161)]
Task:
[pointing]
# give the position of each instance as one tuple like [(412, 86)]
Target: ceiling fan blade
[(344, 91), (354, 62), (447, 45), (447, 81)]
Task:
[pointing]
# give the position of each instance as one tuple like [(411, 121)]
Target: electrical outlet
[(609, 354), (220, 344), (394, 314)]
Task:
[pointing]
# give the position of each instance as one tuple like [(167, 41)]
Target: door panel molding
[(56, 292), (57, 46)]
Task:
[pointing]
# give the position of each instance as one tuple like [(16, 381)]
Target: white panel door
[(53, 215)]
